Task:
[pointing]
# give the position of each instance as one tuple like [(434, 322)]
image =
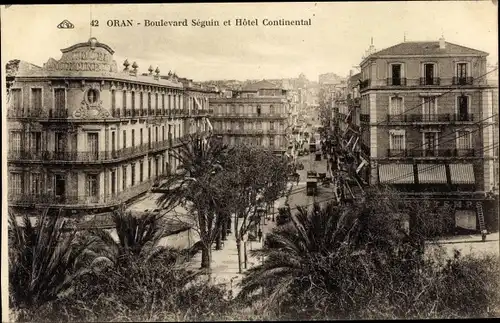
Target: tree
[(138, 235), (337, 258), (44, 258), (197, 186), (254, 177)]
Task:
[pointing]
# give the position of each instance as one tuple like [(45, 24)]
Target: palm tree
[(138, 235), (198, 185), (44, 258), (307, 252)]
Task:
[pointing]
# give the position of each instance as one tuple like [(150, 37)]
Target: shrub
[(136, 291)]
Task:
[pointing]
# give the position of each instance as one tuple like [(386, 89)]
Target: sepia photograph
[(256, 161)]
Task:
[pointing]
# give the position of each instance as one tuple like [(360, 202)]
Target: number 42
[(94, 23)]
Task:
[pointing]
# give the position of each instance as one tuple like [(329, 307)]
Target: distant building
[(258, 115), (429, 126)]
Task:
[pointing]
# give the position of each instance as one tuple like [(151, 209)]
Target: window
[(163, 103), (163, 133), (258, 141), (242, 125), (92, 96), (258, 110), (124, 100), (233, 109), (464, 139), (141, 102), (36, 99), (149, 102), (272, 109), (15, 183), (124, 138), (124, 177), (396, 105), (397, 140), (16, 100), (133, 137), (156, 102), (36, 183), (132, 174), (133, 100), (15, 141), (59, 99), (141, 142), (462, 70), (463, 108), (396, 74), (113, 182), (149, 137), (429, 77), (271, 125), (156, 134), (259, 125), (141, 171), (430, 143), (429, 109), (271, 141), (92, 186), (36, 142), (149, 168), (93, 145), (60, 144), (113, 100)]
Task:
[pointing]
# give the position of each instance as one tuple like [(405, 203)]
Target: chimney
[(442, 44)]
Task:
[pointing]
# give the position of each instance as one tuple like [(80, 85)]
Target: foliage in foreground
[(340, 263), (137, 291), (44, 259)]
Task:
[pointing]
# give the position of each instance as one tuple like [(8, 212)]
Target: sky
[(339, 34)]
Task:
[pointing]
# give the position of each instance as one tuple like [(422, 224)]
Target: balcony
[(88, 156), (364, 84), (425, 81), (402, 153), (429, 118), (106, 200), (463, 80), (364, 117), (392, 81)]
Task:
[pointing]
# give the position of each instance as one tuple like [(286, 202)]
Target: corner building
[(429, 125), (86, 136)]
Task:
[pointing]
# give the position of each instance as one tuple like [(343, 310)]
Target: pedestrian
[(260, 235), (297, 177)]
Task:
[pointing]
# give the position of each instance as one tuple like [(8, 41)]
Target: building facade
[(256, 115), (84, 135), (429, 125)]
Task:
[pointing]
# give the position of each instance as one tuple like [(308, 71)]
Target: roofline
[(79, 45), (101, 78), (375, 56)]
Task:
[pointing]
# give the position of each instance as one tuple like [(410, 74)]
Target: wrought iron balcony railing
[(430, 153), (364, 84), (364, 117), (459, 80), (76, 199), (430, 81), (396, 81), (431, 118)]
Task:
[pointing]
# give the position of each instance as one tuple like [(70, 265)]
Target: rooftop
[(261, 85), (427, 48)]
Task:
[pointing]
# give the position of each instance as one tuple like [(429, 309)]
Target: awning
[(396, 174), (432, 174), (209, 124), (462, 174)]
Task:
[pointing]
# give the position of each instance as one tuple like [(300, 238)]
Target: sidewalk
[(224, 265)]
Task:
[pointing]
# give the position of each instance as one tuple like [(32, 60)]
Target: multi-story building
[(429, 125), (85, 135), (256, 115)]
